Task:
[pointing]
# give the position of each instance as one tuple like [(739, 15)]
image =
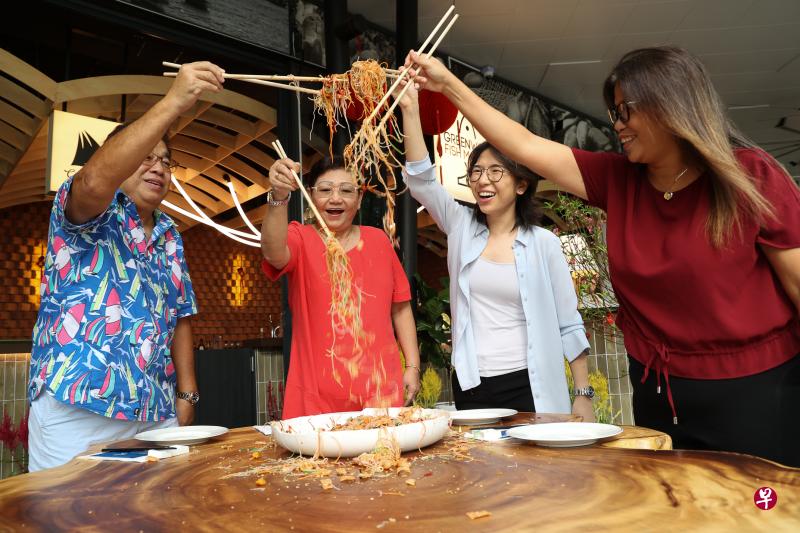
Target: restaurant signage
[(72, 141), (452, 149)]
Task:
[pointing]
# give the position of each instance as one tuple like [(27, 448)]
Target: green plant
[(433, 323), (582, 231)]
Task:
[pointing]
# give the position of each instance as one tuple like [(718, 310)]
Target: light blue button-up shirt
[(553, 325)]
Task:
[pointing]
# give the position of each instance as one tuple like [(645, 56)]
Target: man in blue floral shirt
[(112, 345)]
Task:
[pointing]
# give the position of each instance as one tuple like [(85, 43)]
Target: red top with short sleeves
[(685, 307), (311, 387)]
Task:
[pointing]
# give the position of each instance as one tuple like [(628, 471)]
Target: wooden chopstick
[(408, 84), (404, 72), (257, 80)]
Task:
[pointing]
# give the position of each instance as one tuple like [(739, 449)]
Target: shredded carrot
[(371, 153)]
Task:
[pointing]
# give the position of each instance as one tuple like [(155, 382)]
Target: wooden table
[(523, 486)]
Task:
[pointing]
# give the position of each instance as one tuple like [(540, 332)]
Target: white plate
[(182, 434), (564, 434), (471, 417), (309, 435)]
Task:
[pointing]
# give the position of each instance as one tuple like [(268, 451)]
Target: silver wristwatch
[(191, 397), (586, 391), (271, 201)]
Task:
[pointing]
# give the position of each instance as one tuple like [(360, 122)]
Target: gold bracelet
[(412, 366)]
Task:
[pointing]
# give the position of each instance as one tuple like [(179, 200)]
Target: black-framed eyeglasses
[(494, 173), (166, 162), (621, 112), (325, 189)]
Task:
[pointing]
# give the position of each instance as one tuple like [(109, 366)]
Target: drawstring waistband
[(661, 367)]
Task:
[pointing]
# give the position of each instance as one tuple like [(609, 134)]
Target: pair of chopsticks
[(293, 85), (271, 80), (261, 79), (404, 72)]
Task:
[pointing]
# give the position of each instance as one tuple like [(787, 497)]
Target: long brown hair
[(673, 87)]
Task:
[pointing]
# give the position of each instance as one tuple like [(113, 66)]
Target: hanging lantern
[(436, 112), (355, 111)]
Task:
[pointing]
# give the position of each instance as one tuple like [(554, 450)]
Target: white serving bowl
[(310, 435)]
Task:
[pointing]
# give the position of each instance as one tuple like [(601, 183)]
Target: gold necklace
[(671, 192)]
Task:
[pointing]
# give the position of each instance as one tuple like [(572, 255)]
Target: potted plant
[(433, 335)]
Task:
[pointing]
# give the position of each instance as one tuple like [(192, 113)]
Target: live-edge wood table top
[(523, 486)]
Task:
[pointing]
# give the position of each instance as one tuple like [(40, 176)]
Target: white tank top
[(498, 320)]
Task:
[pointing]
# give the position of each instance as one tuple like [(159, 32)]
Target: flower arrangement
[(15, 440)]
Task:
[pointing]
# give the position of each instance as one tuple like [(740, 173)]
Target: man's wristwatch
[(271, 201), (191, 397), (586, 391)]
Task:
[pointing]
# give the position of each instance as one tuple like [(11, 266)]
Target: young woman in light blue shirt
[(513, 304)]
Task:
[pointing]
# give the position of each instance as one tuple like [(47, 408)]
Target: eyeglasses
[(493, 173), (620, 112), (324, 189), (166, 162)]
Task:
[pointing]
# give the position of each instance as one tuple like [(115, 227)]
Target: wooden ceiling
[(224, 136)]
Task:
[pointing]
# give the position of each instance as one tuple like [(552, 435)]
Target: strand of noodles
[(368, 83), (376, 158), (370, 152), (345, 307), (364, 82), (332, 101)]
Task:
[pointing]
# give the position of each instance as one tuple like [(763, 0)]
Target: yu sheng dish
[(350, 434)]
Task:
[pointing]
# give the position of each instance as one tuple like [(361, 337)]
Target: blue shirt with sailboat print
[(110, 304)]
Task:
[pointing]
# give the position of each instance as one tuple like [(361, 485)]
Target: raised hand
[(281, 179), (429, 73), (192, 80), (410, 100)]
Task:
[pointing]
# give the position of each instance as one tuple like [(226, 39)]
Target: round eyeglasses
[(325, 189), (493, 173), (621, 112), (166, 162)]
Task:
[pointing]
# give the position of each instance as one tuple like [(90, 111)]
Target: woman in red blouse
[(703, 244), (318, 383)]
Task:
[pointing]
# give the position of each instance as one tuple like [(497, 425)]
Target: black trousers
[(510, 391), (757, 414)]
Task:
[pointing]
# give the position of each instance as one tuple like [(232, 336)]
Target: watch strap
[(271, 201), (192, 397)]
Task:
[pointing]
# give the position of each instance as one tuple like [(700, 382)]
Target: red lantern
[(355, 111), (436, 112)]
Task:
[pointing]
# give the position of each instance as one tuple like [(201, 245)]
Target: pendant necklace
[(671, 192)]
